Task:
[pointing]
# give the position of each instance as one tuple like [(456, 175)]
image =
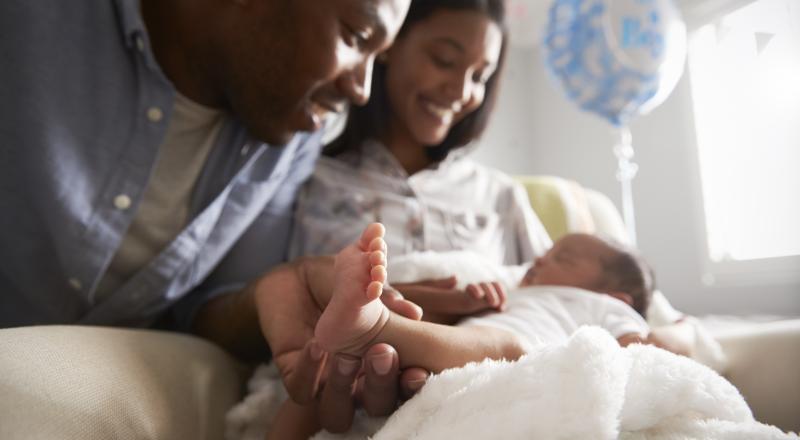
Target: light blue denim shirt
[(83, 110)]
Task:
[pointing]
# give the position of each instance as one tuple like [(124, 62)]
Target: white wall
[(535, 130)]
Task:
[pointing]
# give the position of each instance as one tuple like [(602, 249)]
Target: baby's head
[(592, 263)]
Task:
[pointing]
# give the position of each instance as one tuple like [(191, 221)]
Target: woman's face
[(437, 72)]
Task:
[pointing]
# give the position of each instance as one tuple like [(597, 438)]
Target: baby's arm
[(661, 337), (678, 338), (631, 338)]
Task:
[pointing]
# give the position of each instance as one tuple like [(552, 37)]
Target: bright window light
[(745, 74)]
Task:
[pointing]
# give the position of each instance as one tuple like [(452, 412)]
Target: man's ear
[(622, 296)]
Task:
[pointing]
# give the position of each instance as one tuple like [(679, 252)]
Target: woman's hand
[(442, 302)]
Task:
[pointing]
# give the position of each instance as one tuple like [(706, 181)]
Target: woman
[(400, 159)]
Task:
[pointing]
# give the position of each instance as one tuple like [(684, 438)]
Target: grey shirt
[(456, 204)]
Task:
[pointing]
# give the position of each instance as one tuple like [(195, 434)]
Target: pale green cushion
[(565, 206), (560, 204)]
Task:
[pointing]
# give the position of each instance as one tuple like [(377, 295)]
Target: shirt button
[(122, 202), (140, 43), (245, 149), (154, 114), (75, 283)]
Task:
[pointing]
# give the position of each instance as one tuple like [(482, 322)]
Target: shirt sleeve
[(264, 245)]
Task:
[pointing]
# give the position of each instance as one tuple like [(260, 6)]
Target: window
[(745, 75)]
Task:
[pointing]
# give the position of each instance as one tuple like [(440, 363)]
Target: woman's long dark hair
[(370, 121)]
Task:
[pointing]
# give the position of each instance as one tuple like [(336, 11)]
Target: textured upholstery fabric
[(87, 383)]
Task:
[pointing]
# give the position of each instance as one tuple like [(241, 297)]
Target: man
[(150, 158)]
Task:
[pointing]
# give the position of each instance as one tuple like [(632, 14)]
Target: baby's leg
[(355, 314), (437, 347), (355, 318)]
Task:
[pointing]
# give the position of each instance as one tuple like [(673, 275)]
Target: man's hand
[(442, 302), (288, 301)]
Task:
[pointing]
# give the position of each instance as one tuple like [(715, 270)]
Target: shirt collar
[(134, 32), (376, 155), (130, 19)]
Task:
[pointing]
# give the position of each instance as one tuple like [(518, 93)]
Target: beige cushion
[(71, 382), (607, 220), (764, 364)]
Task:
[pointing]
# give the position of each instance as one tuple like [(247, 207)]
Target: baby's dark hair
[(629, 273)]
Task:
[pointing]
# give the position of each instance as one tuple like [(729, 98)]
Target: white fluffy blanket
[(469, 267), (587, 388)]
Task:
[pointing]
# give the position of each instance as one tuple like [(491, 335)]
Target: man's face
[(287, 63)]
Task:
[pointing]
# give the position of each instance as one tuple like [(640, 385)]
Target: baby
[(559, 293), (582, 280), (576, 269)]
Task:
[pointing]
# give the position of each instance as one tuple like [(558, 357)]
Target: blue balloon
[(616, 58)]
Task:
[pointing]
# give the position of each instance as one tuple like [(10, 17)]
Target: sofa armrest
[(764, 364), (87, 383)]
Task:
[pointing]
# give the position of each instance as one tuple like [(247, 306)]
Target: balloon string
[(626, 171)]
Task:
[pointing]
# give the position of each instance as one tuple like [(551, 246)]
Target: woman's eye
[(442, 62)]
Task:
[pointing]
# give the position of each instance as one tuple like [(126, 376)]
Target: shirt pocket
[(471, 230), (354, 205), (329, 223), (283, 199)]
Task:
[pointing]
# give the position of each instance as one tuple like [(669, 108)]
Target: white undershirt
[(164, 209), (551, 314), (537, 314)]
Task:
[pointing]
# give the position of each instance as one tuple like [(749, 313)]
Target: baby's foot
[(355, 314)]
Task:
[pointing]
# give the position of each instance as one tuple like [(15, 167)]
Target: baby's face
[(575, 260)]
